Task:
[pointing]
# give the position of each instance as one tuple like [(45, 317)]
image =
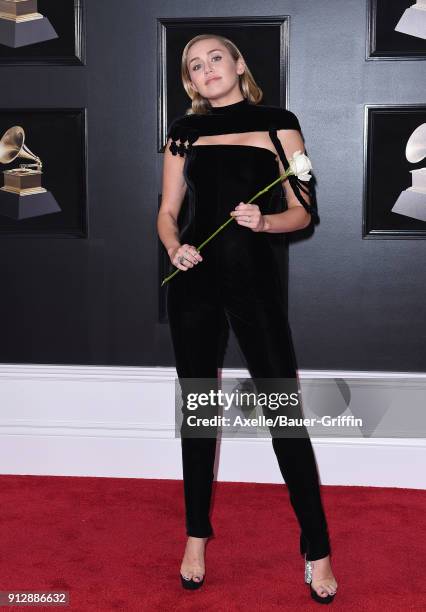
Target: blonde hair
[(248, 86)]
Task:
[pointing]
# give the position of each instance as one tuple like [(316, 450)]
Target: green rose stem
[(280, 178)]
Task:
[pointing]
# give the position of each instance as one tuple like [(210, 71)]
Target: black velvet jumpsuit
[(237, 285)]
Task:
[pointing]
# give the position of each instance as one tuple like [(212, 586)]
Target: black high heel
[(191, 584), (308, 579)]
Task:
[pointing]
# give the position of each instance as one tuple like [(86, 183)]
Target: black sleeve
[(180, 129), (286, 120)]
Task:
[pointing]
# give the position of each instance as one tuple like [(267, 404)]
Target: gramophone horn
[(12, 146), (415, 150)]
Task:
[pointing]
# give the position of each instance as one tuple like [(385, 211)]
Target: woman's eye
[(215, 57)]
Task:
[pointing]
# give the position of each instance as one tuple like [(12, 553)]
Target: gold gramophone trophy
[(22, 195), (21, 24)]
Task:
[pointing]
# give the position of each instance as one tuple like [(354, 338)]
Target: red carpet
[(116, 544)]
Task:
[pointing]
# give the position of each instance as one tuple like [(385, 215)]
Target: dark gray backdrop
[(353, 304)]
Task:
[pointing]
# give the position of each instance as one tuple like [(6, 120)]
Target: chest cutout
[(261, 140)]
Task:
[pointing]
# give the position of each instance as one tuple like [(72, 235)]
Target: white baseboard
[(119, 422)]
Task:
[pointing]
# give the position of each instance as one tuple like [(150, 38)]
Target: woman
[(227, 152)]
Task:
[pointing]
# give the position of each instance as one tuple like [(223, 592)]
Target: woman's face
[(213, 71)]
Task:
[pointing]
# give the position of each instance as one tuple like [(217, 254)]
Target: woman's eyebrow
[(211, 51)]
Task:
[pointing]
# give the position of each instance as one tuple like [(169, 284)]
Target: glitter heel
[(308, 580)]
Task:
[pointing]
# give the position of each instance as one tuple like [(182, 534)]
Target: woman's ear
[(240, 67)]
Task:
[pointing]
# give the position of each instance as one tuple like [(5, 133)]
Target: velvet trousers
[(199, 330)]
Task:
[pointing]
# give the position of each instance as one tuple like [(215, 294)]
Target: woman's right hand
[(188, 252)]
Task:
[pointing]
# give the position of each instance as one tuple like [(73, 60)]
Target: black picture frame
[(382, 41), (67, 17), (172, 36), (59, 138), (387, 129)]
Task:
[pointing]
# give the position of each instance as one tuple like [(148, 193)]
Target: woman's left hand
[(249, 215)]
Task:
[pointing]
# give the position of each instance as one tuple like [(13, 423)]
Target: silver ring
[(182, 257)]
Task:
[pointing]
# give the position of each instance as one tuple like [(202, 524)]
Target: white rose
[(300, 164)]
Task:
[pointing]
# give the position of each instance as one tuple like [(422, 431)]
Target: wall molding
[(119, 422)]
